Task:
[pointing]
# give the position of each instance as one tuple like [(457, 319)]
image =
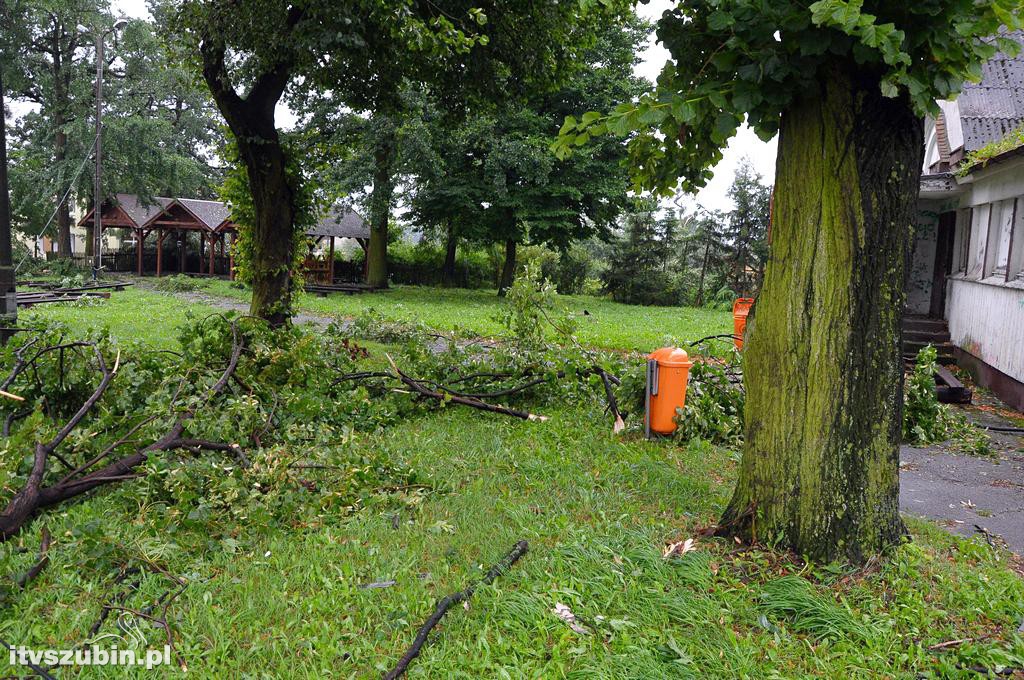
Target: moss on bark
[(820, 467)]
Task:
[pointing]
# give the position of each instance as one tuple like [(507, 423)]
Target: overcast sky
[(713, 196)]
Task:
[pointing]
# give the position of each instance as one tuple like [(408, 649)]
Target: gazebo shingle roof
[(139, 212), (210, 213), (341, 221)]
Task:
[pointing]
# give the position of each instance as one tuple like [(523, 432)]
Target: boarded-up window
[(997, 252), (980, 217)]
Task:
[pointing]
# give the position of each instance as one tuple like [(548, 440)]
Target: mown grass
[(132, 314), (606, 324), (596, 509)]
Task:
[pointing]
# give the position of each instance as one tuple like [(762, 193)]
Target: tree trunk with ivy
[(251, 120), (823, 370)]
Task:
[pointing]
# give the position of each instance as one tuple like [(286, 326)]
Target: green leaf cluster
[(736, 61)]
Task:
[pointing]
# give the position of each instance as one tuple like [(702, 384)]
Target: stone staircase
[(919, 331)]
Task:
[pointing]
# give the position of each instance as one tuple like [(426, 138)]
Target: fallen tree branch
[(448, 602), (613, 402), (39, 670), (422, 390), (33, 497)]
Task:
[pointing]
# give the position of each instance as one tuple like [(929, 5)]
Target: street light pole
[(8, 298), (97, 188), (97, 182)]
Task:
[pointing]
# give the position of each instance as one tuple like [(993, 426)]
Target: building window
[(1015, 254), (990, 241), (978, 238), (961, 241)]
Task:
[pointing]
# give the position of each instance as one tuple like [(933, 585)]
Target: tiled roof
[(210, 213), (341, 221), (993, 108), (141, 213)]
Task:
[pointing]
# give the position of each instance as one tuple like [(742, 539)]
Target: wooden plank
[(949, 389)]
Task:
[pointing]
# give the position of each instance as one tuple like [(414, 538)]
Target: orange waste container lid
[(741, 307), (671, 356)]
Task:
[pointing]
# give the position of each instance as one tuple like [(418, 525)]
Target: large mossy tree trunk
[(273, 242), (822, 364), (381, 199)]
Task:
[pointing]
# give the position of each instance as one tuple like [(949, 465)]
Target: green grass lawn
[(133, 314), (608, 325), (597, 510)]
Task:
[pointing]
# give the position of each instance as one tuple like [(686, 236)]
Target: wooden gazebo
[(178, 217), (341, 221)]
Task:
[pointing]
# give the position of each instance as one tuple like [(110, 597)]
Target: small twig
[(953, 643), (448, 602), (40, 564)]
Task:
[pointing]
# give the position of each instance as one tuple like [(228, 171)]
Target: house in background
[(965, 288)]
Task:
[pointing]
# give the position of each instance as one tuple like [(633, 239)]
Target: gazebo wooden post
[(231, 259), (159, 253), (138, 250), (330, 264), (209, 270), (182, 251)]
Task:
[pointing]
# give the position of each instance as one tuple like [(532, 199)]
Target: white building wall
[(987, 321)]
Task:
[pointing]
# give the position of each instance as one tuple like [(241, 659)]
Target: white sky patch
[(745, 143)]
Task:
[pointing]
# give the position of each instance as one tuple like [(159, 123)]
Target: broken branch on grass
[(447, 602), (424, 391), (33, 497), (41, 561)]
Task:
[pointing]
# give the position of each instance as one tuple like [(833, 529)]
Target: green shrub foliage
[(926, 421)]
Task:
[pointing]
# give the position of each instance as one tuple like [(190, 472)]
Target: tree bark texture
[(823, 372), (61, 85), (508, 270), (251, 121), (380, 205), (451, 248)]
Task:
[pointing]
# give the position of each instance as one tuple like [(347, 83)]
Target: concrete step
[(934, 337), (945, 351), (924, 324)]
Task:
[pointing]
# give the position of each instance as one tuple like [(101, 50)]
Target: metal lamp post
[(97, 188), (8, 298)]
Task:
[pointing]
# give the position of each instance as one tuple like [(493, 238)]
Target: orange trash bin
[(740, 310), (668, 370)]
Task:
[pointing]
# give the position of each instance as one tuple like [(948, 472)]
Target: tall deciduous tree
[(493, 180), (252, 51), (159, 125), (845, 83), (56, 78)]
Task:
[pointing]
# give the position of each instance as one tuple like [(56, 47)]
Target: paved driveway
[(964, 492)]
